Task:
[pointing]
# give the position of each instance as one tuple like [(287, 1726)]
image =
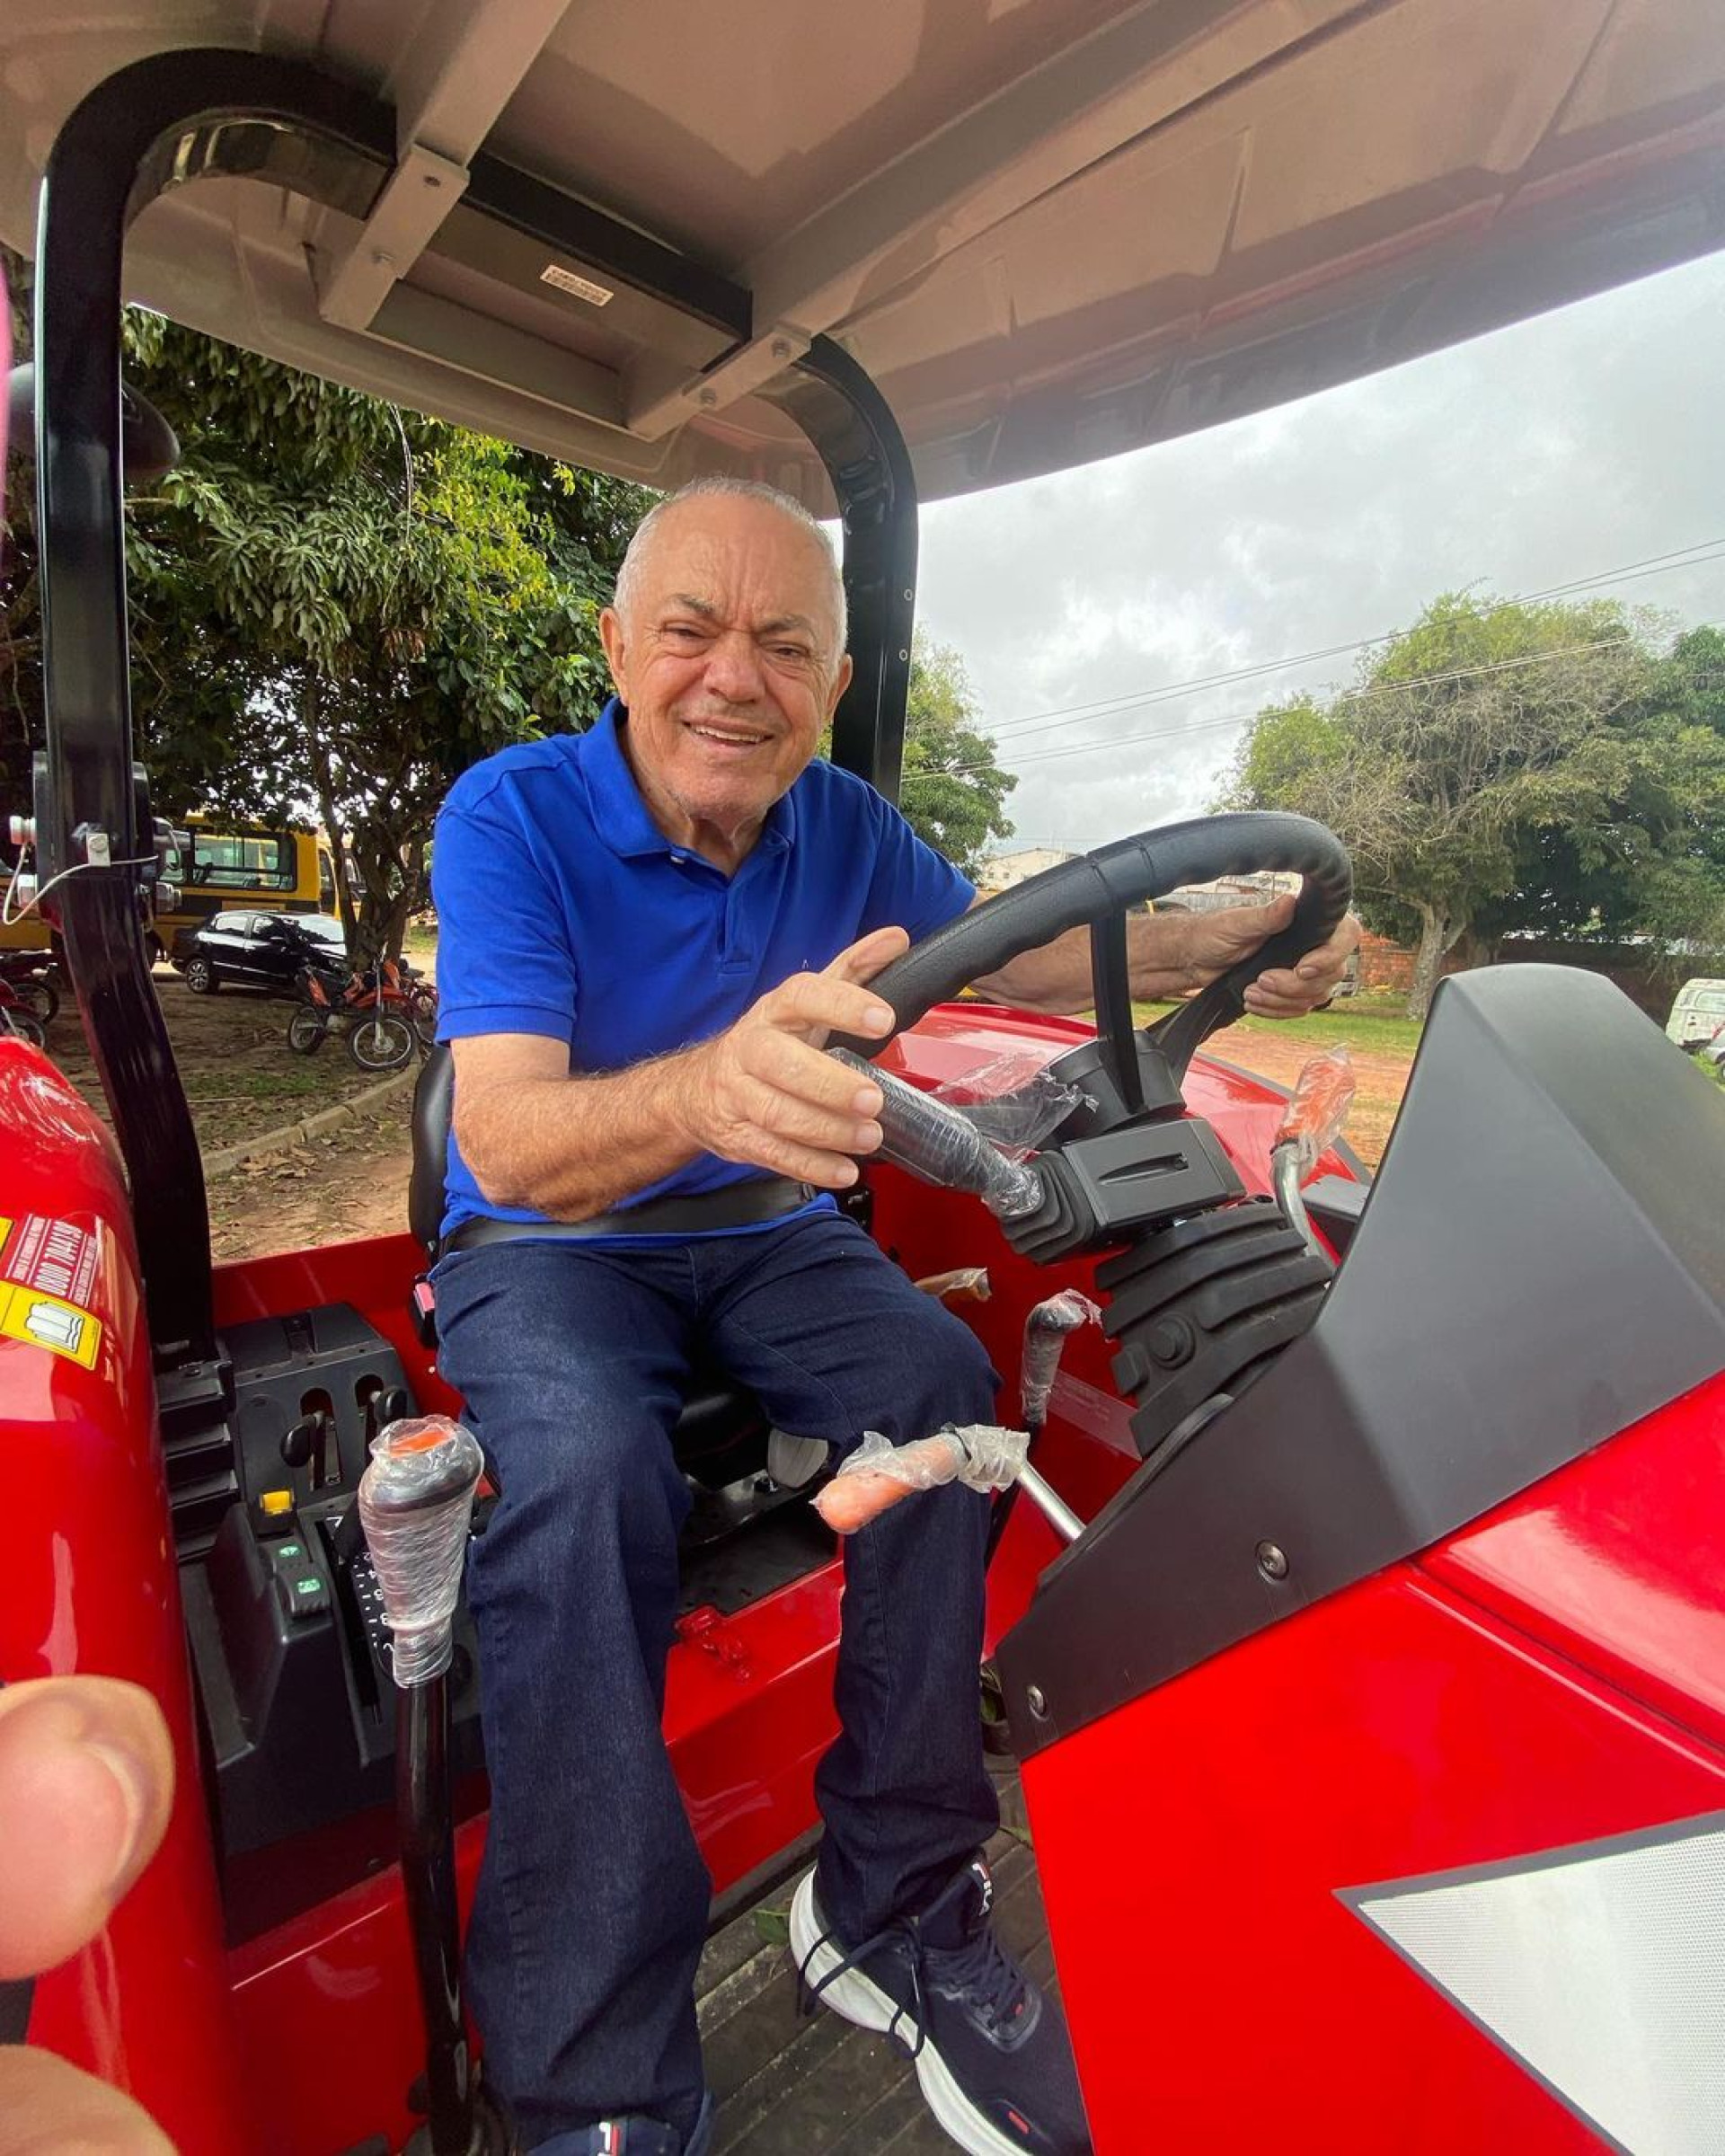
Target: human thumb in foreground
[(86, 1785)]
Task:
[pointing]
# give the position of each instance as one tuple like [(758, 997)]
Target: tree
[(1679, 726), (338, 607), (953, 791), (1487, 770)]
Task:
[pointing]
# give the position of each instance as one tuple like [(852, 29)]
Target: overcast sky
[(1559, 449)]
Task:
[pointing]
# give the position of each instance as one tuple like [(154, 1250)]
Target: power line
[(1353, 696), (1057, 718)]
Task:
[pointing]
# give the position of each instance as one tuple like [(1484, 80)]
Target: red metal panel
[(748, 1712), (91, 1589), (749, 1707), (1192, 1846), (1615, 1561)]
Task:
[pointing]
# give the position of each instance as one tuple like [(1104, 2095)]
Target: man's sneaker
[(633, 2137), (991, 2049)]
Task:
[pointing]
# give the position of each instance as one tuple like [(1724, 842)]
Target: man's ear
[(616, 651), (841, 681)]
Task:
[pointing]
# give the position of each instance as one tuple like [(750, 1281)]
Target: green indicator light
[(309, 1587), (290, 1549)]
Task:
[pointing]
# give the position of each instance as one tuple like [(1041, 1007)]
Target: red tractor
[(1371, 1677)]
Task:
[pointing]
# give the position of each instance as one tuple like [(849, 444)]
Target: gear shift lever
[(416, 1497)]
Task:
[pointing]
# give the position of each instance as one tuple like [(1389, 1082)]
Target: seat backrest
[(434, 1101)]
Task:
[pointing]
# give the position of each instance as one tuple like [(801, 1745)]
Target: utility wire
[(1028, 723), (1382, 691)]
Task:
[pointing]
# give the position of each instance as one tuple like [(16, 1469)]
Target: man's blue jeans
[(592, 1902)]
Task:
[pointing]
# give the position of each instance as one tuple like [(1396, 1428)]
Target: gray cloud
[(1556, 449)]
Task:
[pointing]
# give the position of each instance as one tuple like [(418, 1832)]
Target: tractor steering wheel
[(1097, 889)]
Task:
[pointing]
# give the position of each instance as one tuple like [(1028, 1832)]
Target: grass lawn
[(1371, 1025)]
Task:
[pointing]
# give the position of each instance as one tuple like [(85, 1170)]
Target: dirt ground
[(241, 1077), (1380, 1077), (244, 1081), (350, 1184)]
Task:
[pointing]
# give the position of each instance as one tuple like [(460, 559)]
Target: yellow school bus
[(229, 864), (222, 865)]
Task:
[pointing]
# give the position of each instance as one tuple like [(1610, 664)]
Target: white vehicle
[(1697, 1015)]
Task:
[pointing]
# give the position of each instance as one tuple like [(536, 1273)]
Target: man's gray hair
[(722, 488)]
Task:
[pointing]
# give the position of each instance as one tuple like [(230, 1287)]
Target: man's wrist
[(1163, 963), (677, 1084)]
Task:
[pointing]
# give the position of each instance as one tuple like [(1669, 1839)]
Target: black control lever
[(302, 1439), (416, 1497)]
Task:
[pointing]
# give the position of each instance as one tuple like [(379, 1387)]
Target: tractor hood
[(1051, 230)]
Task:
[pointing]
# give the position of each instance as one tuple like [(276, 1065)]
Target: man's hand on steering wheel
[(761, 1092), (1221, 939)]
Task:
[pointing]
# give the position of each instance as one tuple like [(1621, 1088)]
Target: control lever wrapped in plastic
[(416, 1497), (879, 1474), (937, 1143), (1311, 1124), (1318, 1107), (981, 1456), (1045, 1340)]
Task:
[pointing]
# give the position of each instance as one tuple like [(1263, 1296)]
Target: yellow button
[(275, 1502)]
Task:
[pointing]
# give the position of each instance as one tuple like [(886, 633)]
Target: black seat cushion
[(717, 1414)]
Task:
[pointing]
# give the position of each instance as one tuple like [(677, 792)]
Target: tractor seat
[(717, 1414)]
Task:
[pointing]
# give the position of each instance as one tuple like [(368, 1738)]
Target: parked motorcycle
[(374, 1010)]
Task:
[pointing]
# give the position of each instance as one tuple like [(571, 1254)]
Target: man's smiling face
[(726, 655)]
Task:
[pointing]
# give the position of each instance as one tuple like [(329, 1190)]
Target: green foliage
[(1507, 766), (337, 607), (953, 792)]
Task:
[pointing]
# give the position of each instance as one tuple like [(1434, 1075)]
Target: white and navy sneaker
[(991, 2049)]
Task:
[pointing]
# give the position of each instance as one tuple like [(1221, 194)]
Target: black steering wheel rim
[(1101, 886)]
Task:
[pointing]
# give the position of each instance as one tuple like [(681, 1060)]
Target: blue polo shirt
[(563, 909)]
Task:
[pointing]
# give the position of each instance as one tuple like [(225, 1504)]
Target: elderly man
[(645, 931)]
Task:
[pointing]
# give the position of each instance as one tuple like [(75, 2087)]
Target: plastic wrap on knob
[(1318, 1108), (879, 1474), (936, 1143), (1045, 1340), (416, 1497)]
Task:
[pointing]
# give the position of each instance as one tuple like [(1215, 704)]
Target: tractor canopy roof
[(1049, 230)]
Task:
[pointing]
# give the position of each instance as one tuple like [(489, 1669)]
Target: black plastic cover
[(1104, 1190), (1540, 1265)]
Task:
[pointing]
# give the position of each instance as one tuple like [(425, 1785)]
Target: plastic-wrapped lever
[(416, 1497), (936, 1143)]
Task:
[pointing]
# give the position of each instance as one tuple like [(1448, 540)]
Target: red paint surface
[(1615, 1562), (1549, 1676), (745, 1726), (1192, 1845), (91, 1590)]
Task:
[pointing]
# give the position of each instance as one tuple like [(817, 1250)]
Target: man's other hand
[(1220, 940), (86, 1783), (764, 1093)]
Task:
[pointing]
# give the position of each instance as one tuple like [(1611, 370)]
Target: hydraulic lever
[(416, 1497)]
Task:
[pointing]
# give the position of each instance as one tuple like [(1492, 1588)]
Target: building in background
[(1000, 871)]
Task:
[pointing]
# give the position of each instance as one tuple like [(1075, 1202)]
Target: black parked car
[(258, 950)]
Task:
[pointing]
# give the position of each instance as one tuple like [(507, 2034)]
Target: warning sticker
[(56, 1256), (48, 1322)]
